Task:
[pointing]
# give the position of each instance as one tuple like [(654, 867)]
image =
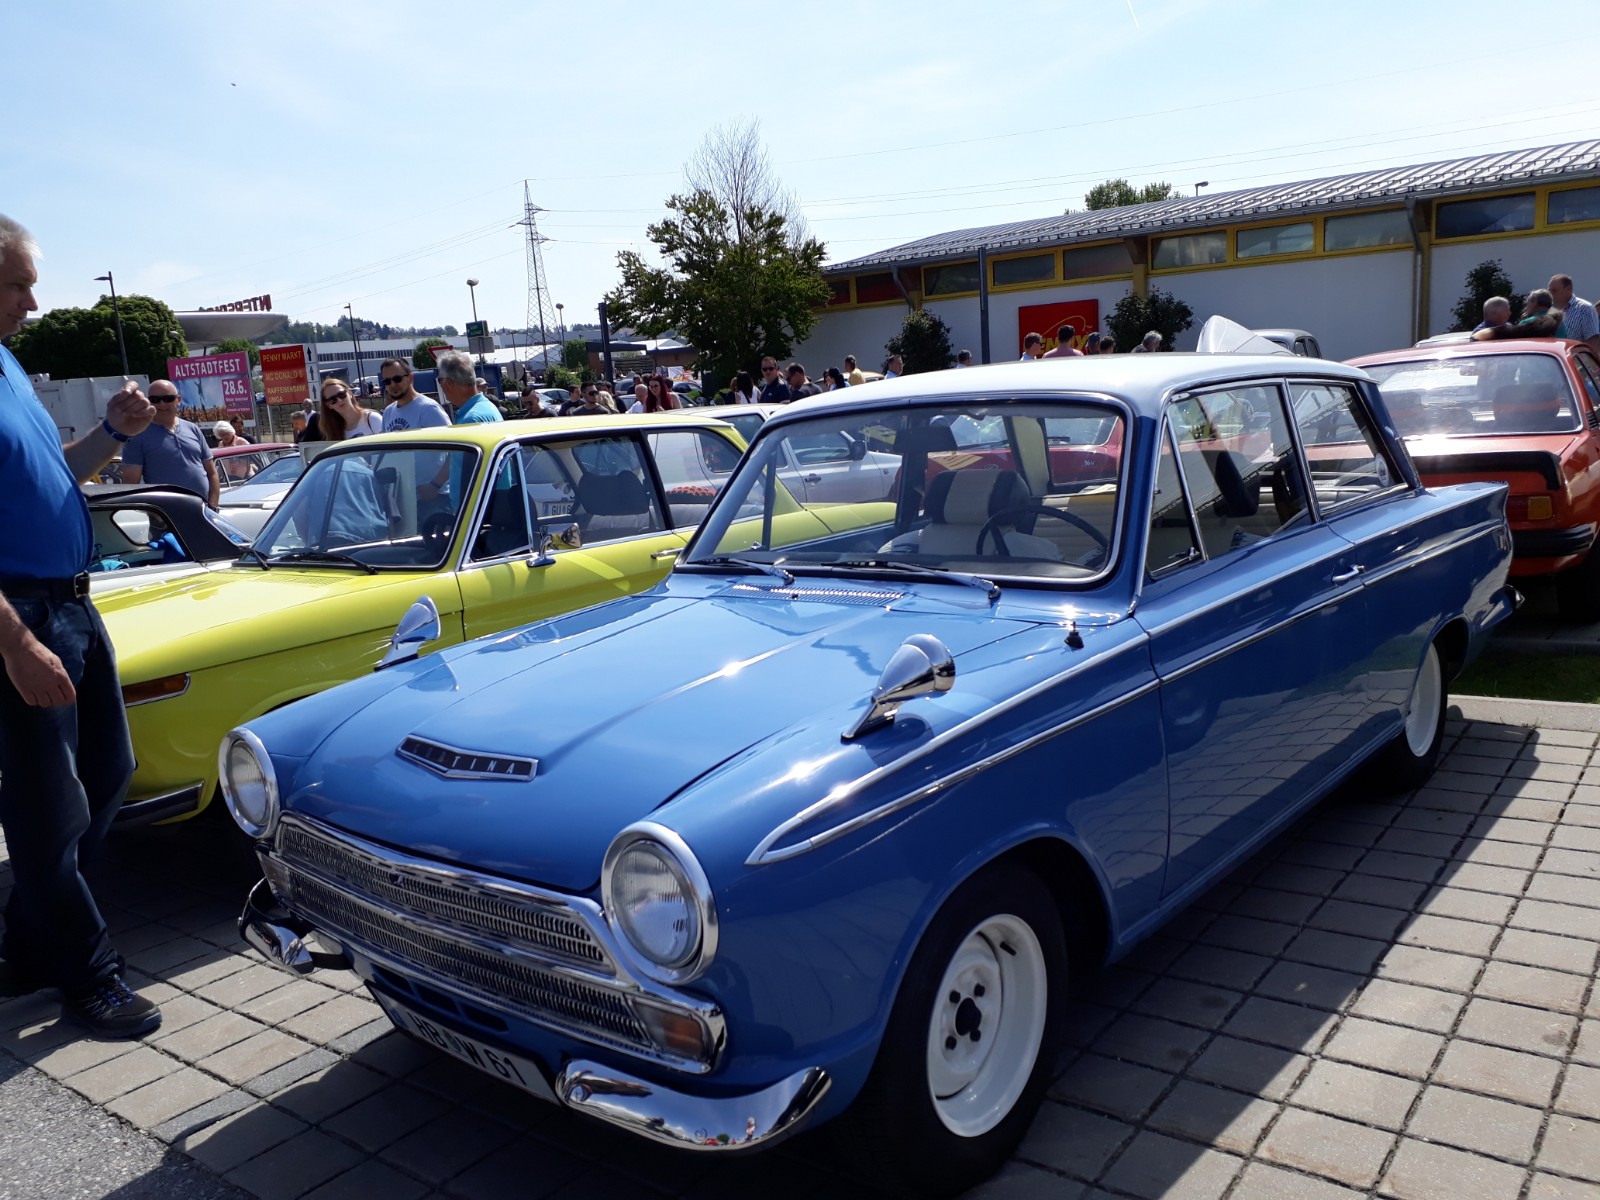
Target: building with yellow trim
[(1366, 262)]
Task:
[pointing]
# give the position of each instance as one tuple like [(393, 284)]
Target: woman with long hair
[(743, 390), (659, 397), (342, 417)]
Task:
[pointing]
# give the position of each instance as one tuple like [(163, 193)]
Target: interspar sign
[(283, 374), (212, 384)]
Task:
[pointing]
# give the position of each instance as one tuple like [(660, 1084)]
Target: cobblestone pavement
[(1395, 999)]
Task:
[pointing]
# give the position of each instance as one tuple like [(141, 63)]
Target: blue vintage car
[(832, 817)]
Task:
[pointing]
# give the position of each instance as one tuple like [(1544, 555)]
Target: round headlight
[(248, 783), (659, 902)]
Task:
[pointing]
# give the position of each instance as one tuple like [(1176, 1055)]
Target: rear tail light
[(1530, 508)]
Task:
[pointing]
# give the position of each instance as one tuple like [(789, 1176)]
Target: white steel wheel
[(987, 1025), (1427, 699)]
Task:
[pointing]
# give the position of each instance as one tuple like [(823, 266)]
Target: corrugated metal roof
[(1429, 180)]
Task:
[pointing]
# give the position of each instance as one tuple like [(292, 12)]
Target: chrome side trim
[(763, 853), (725, 1123), (158, 808)]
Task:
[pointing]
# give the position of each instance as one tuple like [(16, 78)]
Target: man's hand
[(37, 674), (129, 412)]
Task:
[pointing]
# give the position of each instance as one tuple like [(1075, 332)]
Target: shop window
[(875, 289), (838, 292), (1359, 231), (1496, 214), (1086, 262), (1035, 268), (950, 278), (1190, 250), (1574, 204), (1297, 238)]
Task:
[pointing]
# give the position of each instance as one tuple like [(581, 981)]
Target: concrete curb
[(1556, 643), (1538, 714)]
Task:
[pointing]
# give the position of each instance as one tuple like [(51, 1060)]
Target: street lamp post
[(472, 286), (1201, 184), (122, 345), (355, 383)]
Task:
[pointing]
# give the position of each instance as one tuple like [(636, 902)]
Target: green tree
[(234, 345), (1136, 316), (923, 341), (1487, 279), (1119, 193), (422, 356), (743, 278), (71, 343), (562, 377), (575, 354)]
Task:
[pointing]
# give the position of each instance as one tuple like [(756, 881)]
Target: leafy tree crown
[(73, 343), (923, 341), (1487, 279), (1135, 316)]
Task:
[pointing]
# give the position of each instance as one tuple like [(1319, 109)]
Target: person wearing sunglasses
[(171, 451), (774, 387), (342, 417), (407, 408)]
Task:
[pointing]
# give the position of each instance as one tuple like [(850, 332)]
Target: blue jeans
[(63, 772)]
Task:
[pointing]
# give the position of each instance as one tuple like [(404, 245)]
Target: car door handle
[(672, 553), (1346, 576), (811, 478)]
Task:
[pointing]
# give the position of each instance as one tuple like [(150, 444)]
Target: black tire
[(1578, 591), (1409, 759), (896, 1131)]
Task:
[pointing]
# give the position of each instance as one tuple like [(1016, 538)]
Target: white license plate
[(513, 1068)]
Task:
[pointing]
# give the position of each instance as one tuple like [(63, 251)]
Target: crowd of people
[(1553, 311)]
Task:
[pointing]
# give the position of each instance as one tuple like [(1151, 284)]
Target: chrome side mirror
[(570, 538), (419, 626), (922, 666)]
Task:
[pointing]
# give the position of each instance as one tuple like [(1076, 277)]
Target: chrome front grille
[(492, 978), (450, 898)]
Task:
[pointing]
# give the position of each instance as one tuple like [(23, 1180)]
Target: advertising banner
[(283, 374), (1046, 319), (213, 385)]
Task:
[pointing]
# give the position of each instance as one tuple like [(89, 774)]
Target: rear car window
[(1485, 395)]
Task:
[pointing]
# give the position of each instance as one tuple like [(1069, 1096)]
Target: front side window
[(1171, 541), (1482, 395), (504, 528), (990, 485), (391, 507), (1240, 465), (1348, 458), (613, 494)]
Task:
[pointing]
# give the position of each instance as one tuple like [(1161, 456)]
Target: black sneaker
[(111, 1009)]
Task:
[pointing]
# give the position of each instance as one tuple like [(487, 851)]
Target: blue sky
[(373, 153)]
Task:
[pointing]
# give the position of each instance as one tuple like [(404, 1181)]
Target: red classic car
[(1526, 411)]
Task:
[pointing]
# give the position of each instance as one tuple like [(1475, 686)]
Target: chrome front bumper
[(728, 1123)]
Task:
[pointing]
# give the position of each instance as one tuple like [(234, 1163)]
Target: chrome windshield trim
[(763, 852)]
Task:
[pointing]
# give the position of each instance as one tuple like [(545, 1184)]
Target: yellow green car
[(501, 524)]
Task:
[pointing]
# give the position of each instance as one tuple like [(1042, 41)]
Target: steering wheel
[(1004, 517), (436, 530)]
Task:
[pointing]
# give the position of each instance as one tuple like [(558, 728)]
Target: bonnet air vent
[(465, 764)]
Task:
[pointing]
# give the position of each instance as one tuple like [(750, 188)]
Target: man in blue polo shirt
[(65, 757)]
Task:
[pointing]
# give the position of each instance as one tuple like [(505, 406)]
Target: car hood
[(621, 707), (241, 612)]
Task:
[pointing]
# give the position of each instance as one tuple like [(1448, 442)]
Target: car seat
[(611, 506), (961, 503), (1530, 408)]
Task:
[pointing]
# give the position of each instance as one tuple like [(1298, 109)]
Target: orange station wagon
[(1525, 411)]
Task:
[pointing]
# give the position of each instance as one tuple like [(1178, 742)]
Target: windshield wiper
[(252, 552), (327, 556), (904, 568), (749, 564)]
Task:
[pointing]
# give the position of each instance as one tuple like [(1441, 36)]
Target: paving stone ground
[(1395, 999)]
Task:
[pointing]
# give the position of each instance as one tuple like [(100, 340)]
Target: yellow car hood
[(226, 616)]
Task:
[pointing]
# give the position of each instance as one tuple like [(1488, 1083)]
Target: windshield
[(1481, 395), (1016, 488), (383, 507)]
